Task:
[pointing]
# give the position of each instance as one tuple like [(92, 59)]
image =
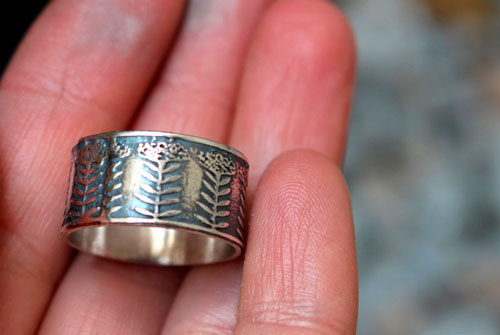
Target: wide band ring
[(155, 197)]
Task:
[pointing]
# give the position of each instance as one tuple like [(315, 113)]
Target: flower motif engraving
[(91, 153), (160, 151), (121, 151), (216, 163)]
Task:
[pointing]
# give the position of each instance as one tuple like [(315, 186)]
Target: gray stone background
[(423, 165)]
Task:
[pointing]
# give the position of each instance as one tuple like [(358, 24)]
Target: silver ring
[(155, 197)]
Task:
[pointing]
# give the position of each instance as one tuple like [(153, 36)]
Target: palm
[(264, 76)]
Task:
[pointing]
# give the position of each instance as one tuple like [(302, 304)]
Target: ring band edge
[(202, 140)]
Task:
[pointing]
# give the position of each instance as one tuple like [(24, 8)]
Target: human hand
[(263, 76)]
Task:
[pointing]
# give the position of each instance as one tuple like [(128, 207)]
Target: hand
[(264, 76)]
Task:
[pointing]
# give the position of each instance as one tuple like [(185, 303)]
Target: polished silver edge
[(133, 133), (135, 222), (229, 239)]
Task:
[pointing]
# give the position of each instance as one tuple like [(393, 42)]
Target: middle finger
[(196, 91), (295, 93)]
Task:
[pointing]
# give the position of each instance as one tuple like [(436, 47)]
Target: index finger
[(83, 68)]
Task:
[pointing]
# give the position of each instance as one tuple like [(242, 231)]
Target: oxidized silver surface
[(156, 197)]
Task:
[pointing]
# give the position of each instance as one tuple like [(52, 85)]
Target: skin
[(272, 78)]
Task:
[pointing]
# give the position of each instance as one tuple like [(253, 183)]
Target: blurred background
[(423, 165), (423, 161)]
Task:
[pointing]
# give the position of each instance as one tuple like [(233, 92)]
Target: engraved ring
[(155, 197)]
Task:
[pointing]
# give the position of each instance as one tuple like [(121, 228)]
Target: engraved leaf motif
[(150, 165), (90, 190), (223, 203), (89, 167), (211, 177), (206, 208), (149, 176), (171, 189), (145, 199), (225, 191), (222, 213), (225, 181), (113, 183), (216, 188), (171, 168), (91, 211), (76, 202), (222, 225), (114, 187), (169, 201), (143, 211), (203, 219), (208, 199), (159, 178), (171, 179), (114, 210), (210, 187), (169, 213), (147, 188), (115, 197)]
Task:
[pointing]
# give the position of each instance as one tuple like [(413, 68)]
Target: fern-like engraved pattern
[(114, 183), (160, 172), (87, 190), (159, 180), (218, 173)]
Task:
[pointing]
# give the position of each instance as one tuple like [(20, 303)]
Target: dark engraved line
[(112, 176), (87, 175), (217, 191), (162, 168)]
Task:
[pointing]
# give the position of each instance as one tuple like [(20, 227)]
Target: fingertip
[(306, 183), (307, 166)]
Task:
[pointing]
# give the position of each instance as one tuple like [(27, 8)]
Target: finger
[(133, 305), (300, 272), (196, 91), (213, 309), (298, 84), (304, 90), (221, 43), (82, 69)]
